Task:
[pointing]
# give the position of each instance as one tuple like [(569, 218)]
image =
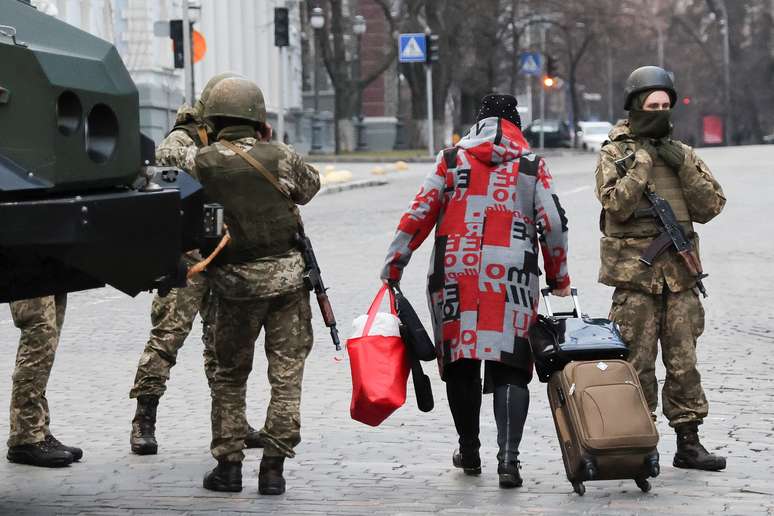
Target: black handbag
[(415, 336), (559, 338)]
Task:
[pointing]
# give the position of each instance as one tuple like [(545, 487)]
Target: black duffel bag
[(414, 333), (559, 338)]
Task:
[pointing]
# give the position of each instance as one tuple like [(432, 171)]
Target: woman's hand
[(562, 292)]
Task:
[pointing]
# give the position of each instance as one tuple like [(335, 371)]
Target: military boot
[(54, 443), (253, 439), (227, 476), (690, 452), (143, 439), (270, 479), (39, 454)]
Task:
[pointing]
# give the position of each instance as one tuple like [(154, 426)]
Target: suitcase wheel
[(590, 470), (651, 465), (579, 488), (643, 484)]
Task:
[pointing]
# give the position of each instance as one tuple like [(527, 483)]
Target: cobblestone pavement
[(404, 466)]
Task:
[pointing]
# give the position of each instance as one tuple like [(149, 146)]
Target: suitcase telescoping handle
[(563, 315)]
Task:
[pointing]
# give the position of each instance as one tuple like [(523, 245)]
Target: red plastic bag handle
[(374, 309)]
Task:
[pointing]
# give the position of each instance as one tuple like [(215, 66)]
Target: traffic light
[(433, 51), (548, 81), (176, 34), (281, 27), (551, 69)]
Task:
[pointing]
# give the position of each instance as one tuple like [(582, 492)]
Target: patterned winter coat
[(491, 201)]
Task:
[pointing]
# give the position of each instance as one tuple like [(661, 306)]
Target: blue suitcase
[(559, 338)]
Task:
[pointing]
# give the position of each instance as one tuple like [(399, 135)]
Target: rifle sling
[(257, 165)]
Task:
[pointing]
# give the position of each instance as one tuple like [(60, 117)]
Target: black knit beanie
[(501, 106)]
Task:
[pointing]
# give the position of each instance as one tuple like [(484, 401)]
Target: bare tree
[(333, 40)]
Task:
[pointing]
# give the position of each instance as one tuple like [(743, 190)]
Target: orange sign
[(199, 46)]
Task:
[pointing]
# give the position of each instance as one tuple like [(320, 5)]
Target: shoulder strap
[(450, 157), (203, 136), (267, 175), (529, 167), (259, 167)]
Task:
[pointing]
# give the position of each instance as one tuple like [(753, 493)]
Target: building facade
[(239, 37)]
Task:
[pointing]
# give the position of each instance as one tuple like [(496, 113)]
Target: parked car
[(591, 135), (556, 133)]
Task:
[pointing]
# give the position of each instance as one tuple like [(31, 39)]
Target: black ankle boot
[(227, 476), (468, 461), (270, 479), (52, 441), (509, 474), (40, 454), (690, 452), (143, 438)]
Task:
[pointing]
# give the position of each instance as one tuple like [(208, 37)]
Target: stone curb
[(354, 185)]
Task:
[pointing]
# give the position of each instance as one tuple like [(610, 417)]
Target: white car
[(591, 135)]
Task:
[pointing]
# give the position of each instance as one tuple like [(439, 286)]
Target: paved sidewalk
[(404, 466)]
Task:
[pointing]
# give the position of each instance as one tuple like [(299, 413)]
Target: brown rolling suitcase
[(603, 423)]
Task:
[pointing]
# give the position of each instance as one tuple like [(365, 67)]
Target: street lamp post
[(317, 21), (400, 137), (359, 28), (726, 72)]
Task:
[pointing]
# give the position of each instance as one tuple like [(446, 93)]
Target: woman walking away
[(491, 201)]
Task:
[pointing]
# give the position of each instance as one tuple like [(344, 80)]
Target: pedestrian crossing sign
[(530, 63), (412, 48)]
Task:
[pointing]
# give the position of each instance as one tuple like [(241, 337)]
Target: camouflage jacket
[(173, 151), (273, 275), (620, 195)]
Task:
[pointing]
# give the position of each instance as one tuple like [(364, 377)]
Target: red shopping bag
[(380, 370)]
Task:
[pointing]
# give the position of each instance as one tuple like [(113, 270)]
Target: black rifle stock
[(672, 233), (313, 281)]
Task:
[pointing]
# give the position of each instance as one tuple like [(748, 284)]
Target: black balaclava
[(649, 124), (501, 106)]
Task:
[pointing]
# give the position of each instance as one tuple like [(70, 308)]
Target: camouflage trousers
[(40, 321), (172, 317), (676, 320), (287, 322)]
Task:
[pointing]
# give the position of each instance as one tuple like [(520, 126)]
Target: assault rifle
[(313, 281), (672, 233)]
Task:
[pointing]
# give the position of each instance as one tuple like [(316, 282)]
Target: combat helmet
[(647, 78), (214, 80), (236, 97)]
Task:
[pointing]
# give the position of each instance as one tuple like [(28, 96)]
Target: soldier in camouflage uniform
[(172, 316), (257, 281), (30, 440), (660, 302)]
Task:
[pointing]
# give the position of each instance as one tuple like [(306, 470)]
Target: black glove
[(672, 153)]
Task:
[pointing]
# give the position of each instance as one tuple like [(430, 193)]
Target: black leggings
[(511, 402)]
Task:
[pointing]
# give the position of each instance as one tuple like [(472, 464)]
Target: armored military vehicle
[(80, 204)]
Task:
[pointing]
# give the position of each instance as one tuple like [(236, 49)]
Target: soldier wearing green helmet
[(657, 301), (257, 280), (172, 316)]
